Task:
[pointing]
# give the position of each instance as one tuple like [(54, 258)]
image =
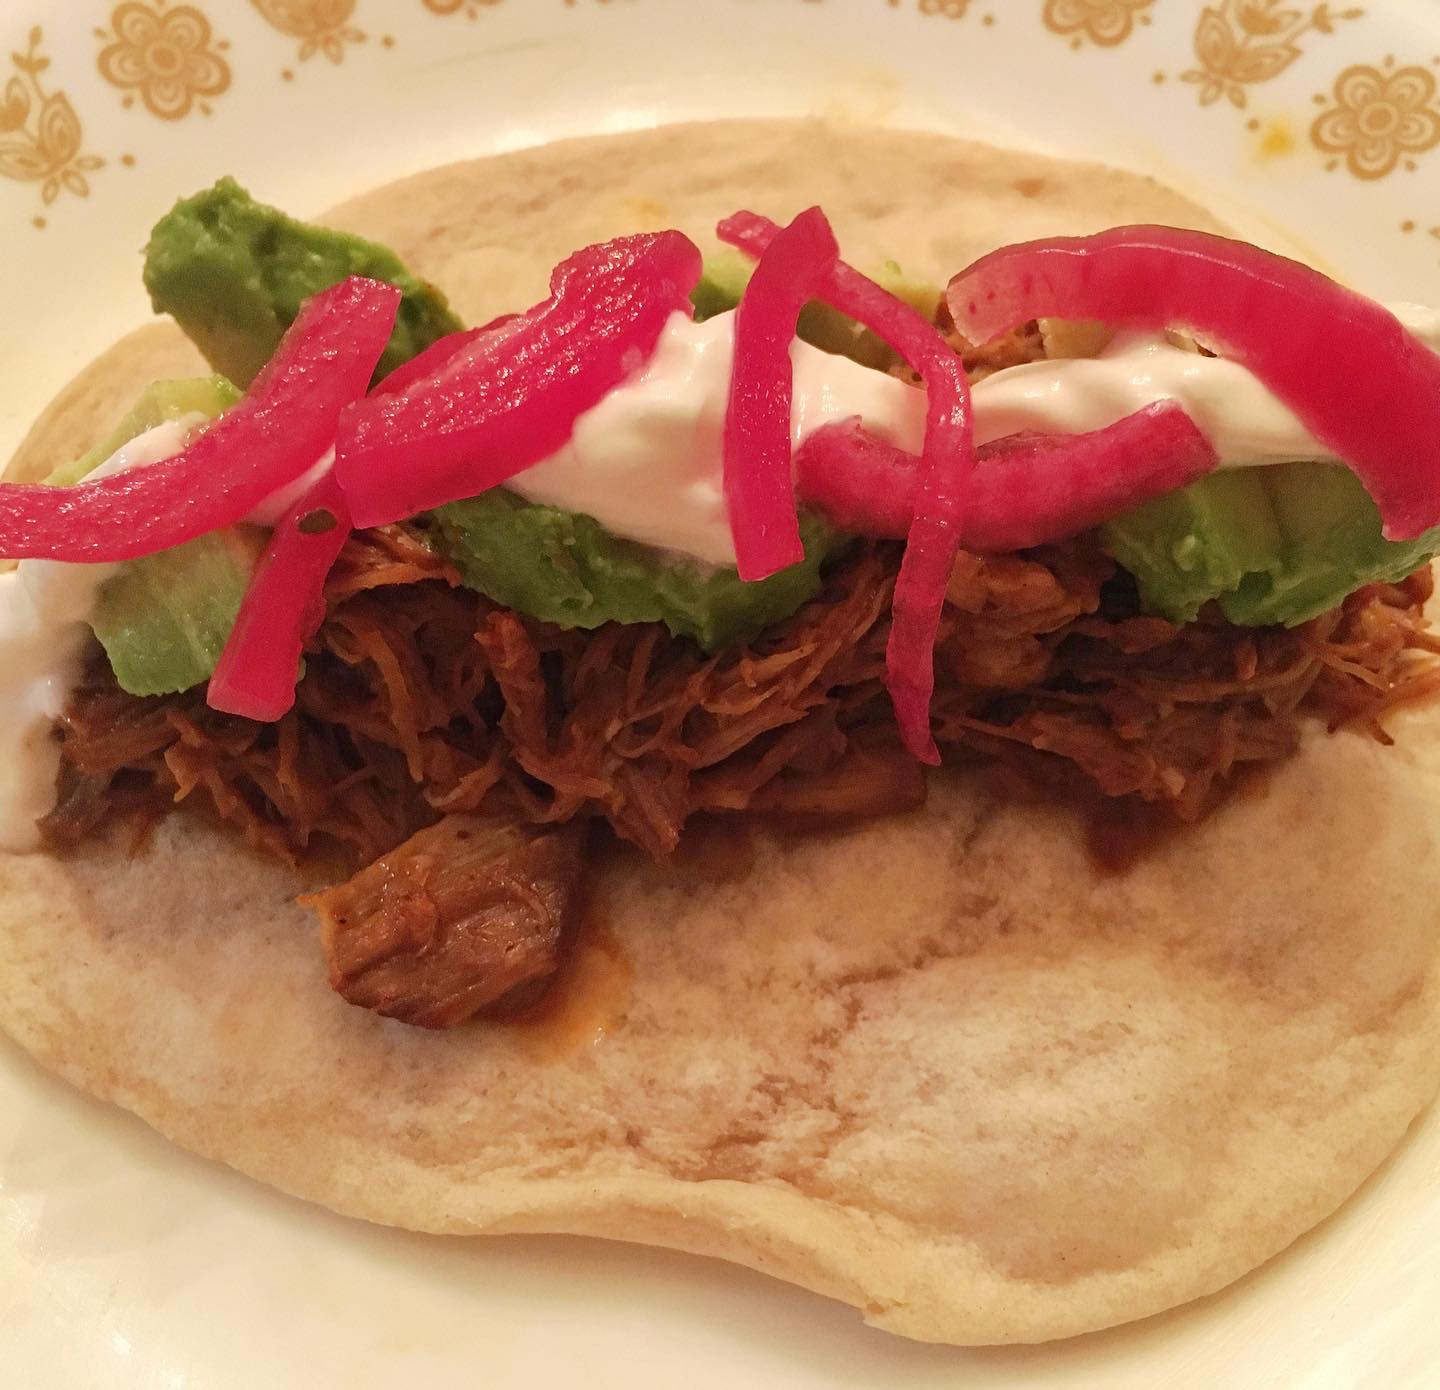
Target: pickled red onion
[(511, 397), (428, 362), (285, 603), (1362, 384), (1028, 489), (862, 483), (282, 609), (759, 484), (274, 434), (946, 465)]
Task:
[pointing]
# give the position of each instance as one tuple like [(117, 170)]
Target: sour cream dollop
[(45, 611), (647, 461)]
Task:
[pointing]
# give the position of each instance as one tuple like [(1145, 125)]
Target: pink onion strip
[(282, 609), (1363, 385), (265, 441), (510, 396), (759, 483), (947, 463), (440, 352), (1028, 489)]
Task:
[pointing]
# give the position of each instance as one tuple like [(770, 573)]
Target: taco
[(736, 974)]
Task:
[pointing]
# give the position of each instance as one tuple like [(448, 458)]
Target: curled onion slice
[(946, 465), (283, 607), (759, 484), (1362, 384), (1028, 489), (441, 351), (285, 603), (268, 439), (510, 397)]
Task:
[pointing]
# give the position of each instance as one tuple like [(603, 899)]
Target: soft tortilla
[(936, 1067)]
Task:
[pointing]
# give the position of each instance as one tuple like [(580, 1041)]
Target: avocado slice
[(163, 618), (1279, 544), (233, 273), (157, 404), (565, 568)]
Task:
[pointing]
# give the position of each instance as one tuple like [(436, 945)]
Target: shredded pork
[(423, 699)]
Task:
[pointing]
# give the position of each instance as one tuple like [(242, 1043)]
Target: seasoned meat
[(454, 920), (864, 784), (1024, 344), (421, 699)]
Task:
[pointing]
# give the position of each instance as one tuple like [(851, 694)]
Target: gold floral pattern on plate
[(1377, 117), (322, 26), (944, 9), (1106, 23), (471, 8), (41, 137), (168, 56), (1241, 42)]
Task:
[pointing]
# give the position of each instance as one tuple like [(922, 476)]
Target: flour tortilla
[(936, 1067)]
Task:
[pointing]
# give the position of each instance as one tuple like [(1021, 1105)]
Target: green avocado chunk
[(162, 401), (234, 273), (726, 274), (1279, 544), (163, 618), (567, 569)]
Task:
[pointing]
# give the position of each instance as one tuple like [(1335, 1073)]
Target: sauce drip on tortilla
[(587, 997)]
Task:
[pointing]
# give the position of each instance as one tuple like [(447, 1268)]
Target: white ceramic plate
[(124, 1263)]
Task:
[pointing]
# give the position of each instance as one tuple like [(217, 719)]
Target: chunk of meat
[(867, 783), (455, 919)]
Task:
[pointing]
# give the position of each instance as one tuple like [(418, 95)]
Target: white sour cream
[(647, 461), (45, 610), (1243, 421), (276, 507), (1421, 320)]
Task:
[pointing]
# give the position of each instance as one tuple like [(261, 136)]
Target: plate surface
[(125, 1263)]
